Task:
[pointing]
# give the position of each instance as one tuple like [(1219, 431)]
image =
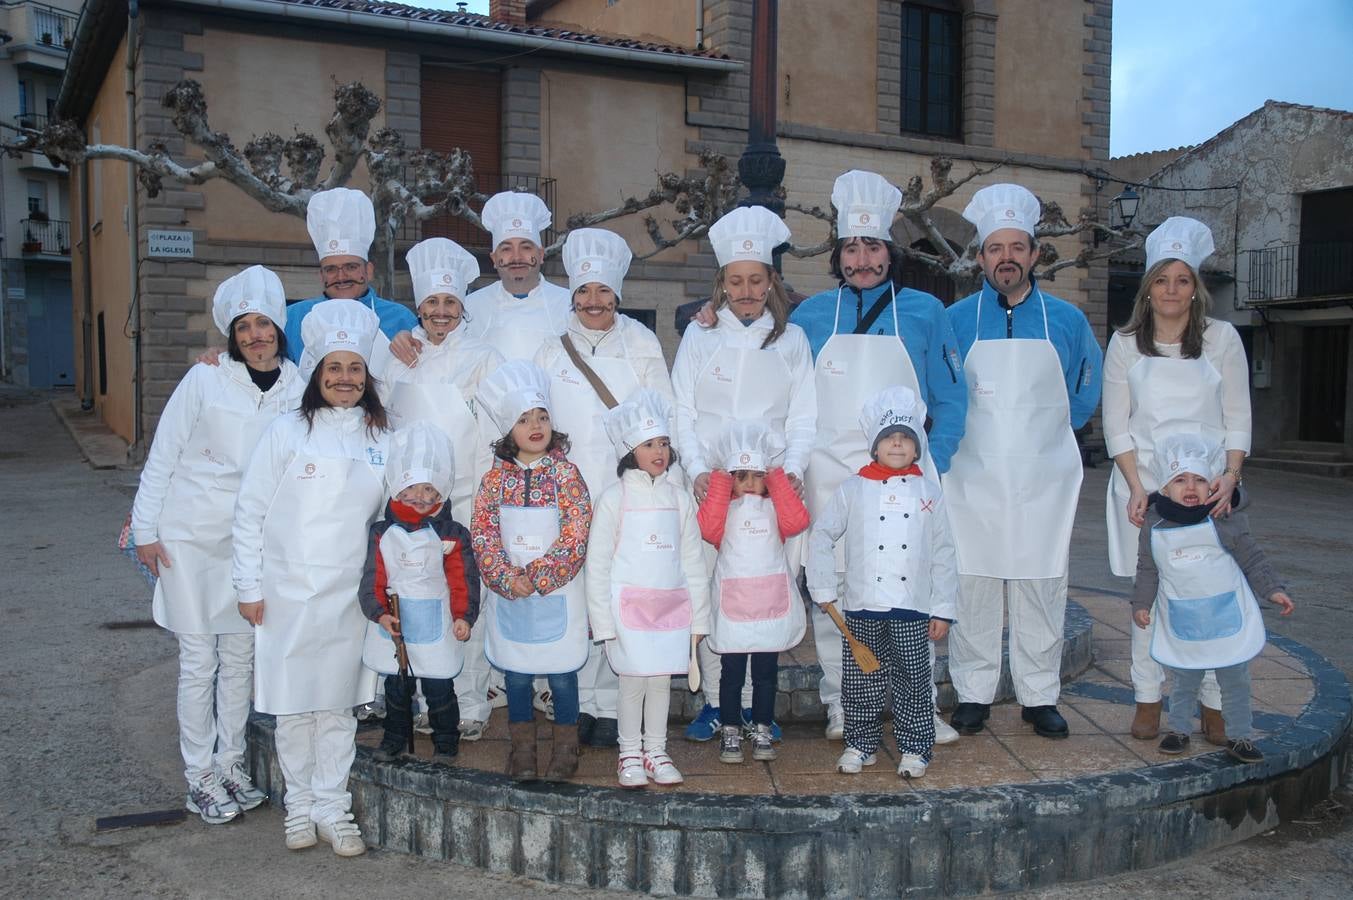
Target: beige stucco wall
[(828, 60), (1040, 57), (665, 21)]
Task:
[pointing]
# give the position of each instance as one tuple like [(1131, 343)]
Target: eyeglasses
[(347, 268)]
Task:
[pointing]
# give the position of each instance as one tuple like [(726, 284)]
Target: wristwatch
[(1234, 473)]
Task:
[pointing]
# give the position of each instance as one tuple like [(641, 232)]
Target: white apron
[(518, 328), (535, 635), (445, 406), (1168, 396), (1012, 486), (413, 567), (1206, 616), (851, 369), (650, 601), (757, 606), (308, 651), (576, 410)]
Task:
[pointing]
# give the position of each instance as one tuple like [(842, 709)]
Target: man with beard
[(1033, 373)]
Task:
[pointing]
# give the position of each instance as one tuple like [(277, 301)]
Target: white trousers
[(315, 751), (1037, 615), (641, 714), (711, 676), (598, 685), (1148, 676), (472, 684), (216, 680)]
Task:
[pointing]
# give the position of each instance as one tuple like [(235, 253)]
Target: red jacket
[(790, 514), (462, 575)]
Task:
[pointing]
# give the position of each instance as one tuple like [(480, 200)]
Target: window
[(932, 63), (37, 198)]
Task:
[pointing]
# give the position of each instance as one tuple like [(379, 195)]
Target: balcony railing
[(51, 26), (1298, 271), (461, 231), (45, 236), (31, 120)]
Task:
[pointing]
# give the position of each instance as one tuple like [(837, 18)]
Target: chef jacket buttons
[(880, 546), (904, 546), (906, 515), (904, 578), (881, 518)]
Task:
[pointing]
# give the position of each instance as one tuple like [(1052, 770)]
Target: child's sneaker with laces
[(343, 835), (1243, 750), (497, 697), (730, 745), (944, 732), (1174, 743), (544, 701), (470, 729), (422, 724), (913, 765), (208, 797), (630, 771), (660, 768), (241, 787), (705, 726), (763, 747), (836, 723), (300, 831), (852, 761), (749, 726)]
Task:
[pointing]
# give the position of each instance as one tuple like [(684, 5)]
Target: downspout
[(87, 286), (699, 24), (133, 242)]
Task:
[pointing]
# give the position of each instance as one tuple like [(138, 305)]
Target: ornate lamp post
[(761, 167)]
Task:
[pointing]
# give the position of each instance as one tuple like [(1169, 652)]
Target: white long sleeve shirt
[(493, 312), (899, 550), (627, 339), (1221, 347), (642, 489), (699, 345)]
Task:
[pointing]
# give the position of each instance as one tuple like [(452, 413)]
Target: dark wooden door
[(1324, 383), (463, 108)]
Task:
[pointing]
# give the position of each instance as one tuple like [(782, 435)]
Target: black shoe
[(388, 750), (446, 754), (606, 733), (1047, 721), (586, 722), (1244, 751), (969, 718), (1174, 743)]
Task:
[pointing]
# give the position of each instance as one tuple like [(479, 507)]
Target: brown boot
[(1146, 721), (521, 761), (1214, 727), (564, 760)]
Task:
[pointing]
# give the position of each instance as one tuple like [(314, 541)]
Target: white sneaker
[(852, 761), (241, 787), (544, 701), (836, 723), (944, 732), (497, 696), (300, 831), (470, 729), (421, 723), (343, 835), (209, 798), (911, 766), (659, 767), (630, 771), (763, 749), (369, 711)]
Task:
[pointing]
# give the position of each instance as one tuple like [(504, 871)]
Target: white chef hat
[(749, 446), (439, 265), (1187, 452), (515, 214), (596, 255), (1003, 206), (341, 222), (748, 232), (254, 290), (644, 415), (420, 452), (891, 410), (511, 389), (865, 205), (1179, 237), (333, 325)]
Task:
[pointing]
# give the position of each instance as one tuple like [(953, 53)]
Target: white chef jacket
[(547, 306), (627, 339)]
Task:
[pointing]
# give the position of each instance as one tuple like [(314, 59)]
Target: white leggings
[(216, 678), (641, 713)]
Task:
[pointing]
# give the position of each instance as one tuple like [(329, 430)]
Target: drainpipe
[(699, 24), (133, 243), (87, 286)]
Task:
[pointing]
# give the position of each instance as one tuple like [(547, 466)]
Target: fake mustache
[(852, 271)]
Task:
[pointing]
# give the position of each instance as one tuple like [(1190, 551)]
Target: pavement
[(89, 729)]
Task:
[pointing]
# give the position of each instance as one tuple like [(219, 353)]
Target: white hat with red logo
[(333, 325), (254, 290), (644, 415), (866, 204), (1182, 238), (440, 266), (515, 214), (1003, 206), (420, 452), (746, 446), (1188, 451), (341, 222), (748, 232), (512, 389), (594, 255)]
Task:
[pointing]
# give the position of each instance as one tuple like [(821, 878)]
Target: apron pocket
[(655, 609), (534, 619), (755, 599), (421, 621), (1205, 618)]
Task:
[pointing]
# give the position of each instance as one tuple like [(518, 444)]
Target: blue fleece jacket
[(395, 317), (928, 338)]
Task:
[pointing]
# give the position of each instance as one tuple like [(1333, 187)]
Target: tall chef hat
[(1002, 206), (646, 414), (747, 446), (865, 205), (1187, 452), (513, 388), (514, 214), (341, 222), (894, 409), (419, 452), (596, 255), (748, 232), (254, 290), (1179, 237), (440, 266), (332, 325)]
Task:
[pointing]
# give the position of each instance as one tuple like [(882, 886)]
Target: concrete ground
[(90, 731)]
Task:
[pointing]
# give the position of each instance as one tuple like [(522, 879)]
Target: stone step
[(1327, 468)]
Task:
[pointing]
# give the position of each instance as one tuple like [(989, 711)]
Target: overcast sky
[(1185, 69)]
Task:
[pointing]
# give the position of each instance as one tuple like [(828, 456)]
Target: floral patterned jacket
[(550, 481)]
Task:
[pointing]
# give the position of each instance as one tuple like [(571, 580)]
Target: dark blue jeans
[(443, 711), (520, 691), (733, 674)]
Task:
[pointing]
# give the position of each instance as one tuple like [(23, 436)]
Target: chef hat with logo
[(596, 255), (866, 204), (1179, 237), (440, 266), (645, 415), (341, 222), (254, 290), (513, 388), (515, 214), (333, 325), (420, 452), (746, 446), (892, 410), (1003, 206), (748, 232), (1188, 452)]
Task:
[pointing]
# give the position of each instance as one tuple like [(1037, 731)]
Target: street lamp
[(1125, 204)]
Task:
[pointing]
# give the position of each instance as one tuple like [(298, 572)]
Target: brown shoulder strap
[(592, 378)]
